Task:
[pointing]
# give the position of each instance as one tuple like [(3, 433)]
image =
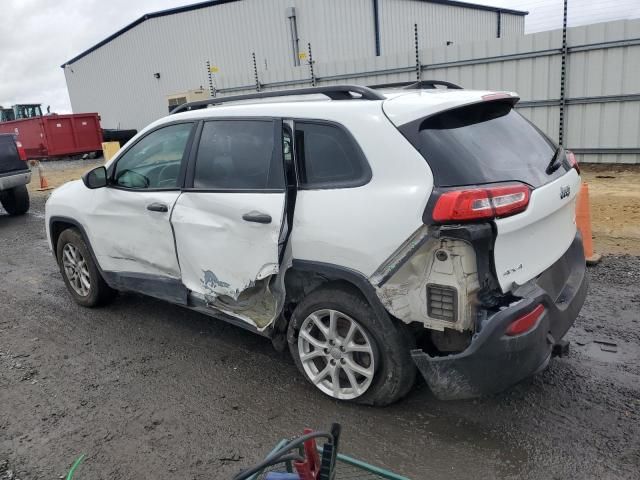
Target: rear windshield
[(483, 143)]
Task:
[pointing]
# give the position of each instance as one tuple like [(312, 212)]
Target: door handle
[(157, 207), (256, 217)]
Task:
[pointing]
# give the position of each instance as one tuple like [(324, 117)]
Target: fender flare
[(336, 272), (83, 232)]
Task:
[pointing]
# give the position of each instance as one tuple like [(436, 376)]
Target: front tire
[(16, 200), (80, 274), (346, 351)]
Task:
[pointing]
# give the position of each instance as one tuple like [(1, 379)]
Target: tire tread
[(16, 200), (100, 293)]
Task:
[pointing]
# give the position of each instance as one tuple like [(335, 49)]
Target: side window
[(154, 162), (328, 157), (238, 154)]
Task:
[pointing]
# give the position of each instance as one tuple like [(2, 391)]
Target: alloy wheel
[(76, 270), (336, 354)]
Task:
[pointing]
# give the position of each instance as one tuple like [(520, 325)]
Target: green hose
[(75, 465)]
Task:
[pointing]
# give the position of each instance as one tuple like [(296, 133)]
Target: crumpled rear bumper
[(494, 361)]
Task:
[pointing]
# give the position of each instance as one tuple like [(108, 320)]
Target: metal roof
[(210, 3), (477, 6)]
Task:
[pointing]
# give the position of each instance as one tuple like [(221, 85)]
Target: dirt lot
[(150, 390), (614, 193)]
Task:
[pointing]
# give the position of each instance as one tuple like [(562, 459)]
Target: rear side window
[(483, 143), (238, 155), (328, 157)]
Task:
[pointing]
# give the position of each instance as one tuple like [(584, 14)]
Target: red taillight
[(571, 158), (525, 322), (21, 152), (481, 203)]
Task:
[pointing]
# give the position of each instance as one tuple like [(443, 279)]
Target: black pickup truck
[(14, 176)]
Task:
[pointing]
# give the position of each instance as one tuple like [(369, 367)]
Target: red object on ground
[(57, 135), (310, 467)]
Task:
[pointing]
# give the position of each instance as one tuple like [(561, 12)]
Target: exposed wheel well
[(303, 277), (300, 283), (56, 228)]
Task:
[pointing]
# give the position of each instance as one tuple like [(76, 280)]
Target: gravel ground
[(149, 390)]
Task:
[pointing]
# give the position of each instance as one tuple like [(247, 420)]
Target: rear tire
[(79, 272), (393, 370), (16, 200)]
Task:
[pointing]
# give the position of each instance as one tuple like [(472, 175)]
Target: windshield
[(28, 111), (483, 143)]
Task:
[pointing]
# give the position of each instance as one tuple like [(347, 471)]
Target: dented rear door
[(228, 220)]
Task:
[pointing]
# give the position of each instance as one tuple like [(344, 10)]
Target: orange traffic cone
[(583, 221), (44, 185)]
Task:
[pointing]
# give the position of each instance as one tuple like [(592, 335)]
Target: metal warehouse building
[(134, 76)]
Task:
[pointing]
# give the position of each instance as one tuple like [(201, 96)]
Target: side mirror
[(96, 178)]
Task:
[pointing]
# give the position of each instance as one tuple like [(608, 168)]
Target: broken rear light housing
[(481, 203)]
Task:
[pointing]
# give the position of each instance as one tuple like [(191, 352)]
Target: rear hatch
[(480, 148)]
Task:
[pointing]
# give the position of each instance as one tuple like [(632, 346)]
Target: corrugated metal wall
[(602, 84), (602, 88), (336, 29), (511, 25), (612, 73), (437, 24), (117, 79)]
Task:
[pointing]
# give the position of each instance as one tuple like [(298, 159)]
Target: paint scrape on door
[(254, 302)]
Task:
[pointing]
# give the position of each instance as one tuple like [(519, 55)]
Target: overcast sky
[(37, 36)]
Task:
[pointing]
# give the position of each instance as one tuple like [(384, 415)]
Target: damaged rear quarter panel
[(401, 282)]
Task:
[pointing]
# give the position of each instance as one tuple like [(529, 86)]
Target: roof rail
[(334, 92), (419, 85)]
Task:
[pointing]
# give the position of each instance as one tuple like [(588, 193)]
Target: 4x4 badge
[(564, 192)]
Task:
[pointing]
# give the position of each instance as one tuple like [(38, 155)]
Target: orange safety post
[(583, 221), (44, 185)]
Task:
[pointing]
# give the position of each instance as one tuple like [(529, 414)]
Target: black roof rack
[(334, 92), (422, 84)]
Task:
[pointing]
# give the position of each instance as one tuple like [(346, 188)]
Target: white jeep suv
[(373, 231)]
